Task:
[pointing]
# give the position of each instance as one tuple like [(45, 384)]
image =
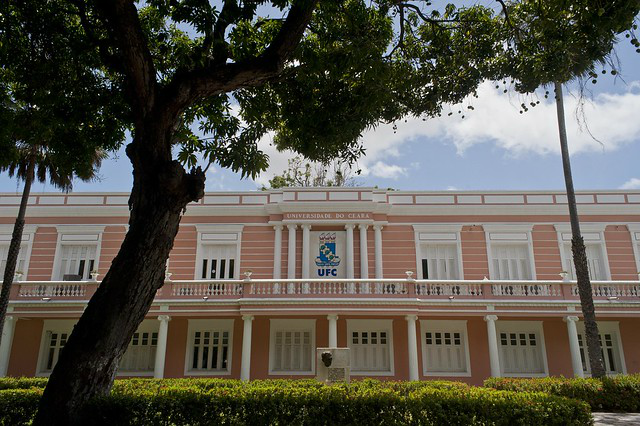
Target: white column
[(161, 349), (378, 249), (494, 357), (349, 228), (245, 363), (5, 346), (333, 330), (412, 347), (291, 260), (277, 253), (305, 250), (574, 346), (364, 252)]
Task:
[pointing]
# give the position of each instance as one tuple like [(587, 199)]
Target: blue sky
[(492, 148)]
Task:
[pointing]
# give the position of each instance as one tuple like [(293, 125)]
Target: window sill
[(291, 373), (373, 373), (445, 374), (207, 373), (525, 374), (135, 373)]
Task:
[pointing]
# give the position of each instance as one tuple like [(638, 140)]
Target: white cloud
[(633, 183), (611, 118), (383, 170), (495, 120)]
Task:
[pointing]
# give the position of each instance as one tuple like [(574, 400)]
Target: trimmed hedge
[(615, 394), (280, 402)]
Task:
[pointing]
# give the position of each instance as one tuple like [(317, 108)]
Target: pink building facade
[(419, 285)]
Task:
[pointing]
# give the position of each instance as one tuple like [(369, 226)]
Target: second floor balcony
[(342, 289)]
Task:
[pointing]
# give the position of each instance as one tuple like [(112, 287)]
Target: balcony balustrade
[(341, 289)]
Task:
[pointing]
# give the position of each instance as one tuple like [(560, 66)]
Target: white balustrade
[(207, 288), (353, 287), (611, 289), (54, 289), (526, 289), (360, 288), (437, 288)]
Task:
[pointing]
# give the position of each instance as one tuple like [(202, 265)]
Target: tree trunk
[(88, 363), (14, 246), (579, 252)]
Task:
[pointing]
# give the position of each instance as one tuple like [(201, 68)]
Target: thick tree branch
[(140, 72), (189, 86), (110, 60)]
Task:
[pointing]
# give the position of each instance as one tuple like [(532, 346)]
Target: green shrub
[(618, 393), (283, 402), (22, 382), (18, 406)]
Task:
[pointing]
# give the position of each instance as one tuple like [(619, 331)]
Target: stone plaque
[(335, 375)]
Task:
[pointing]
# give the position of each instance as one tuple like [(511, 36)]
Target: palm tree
[(31, 162), (594, 350)]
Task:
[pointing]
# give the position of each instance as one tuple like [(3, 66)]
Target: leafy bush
[(279, 402), (617, 393), (22, 382), (18, 406)]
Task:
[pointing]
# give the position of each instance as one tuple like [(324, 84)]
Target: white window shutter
[(595, 262), (4, 253), (218, 262), (440, 262), (511, 261), (77, 260)]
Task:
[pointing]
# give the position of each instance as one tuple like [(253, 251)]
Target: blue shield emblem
[(327, 255)]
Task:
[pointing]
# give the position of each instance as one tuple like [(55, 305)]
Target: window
[(292, 349), (510, 261), (438, 251), (510, 251), (521, 348), (444, 348), (440, 262), (139, 357), (218, 255), (370, 344), (611, 348), (54, 337), (76, 262), (218, 262), (141, 353), (595, 262), (20, 265), (210, 346), (55, 341), (77, 252), (5, 241)]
